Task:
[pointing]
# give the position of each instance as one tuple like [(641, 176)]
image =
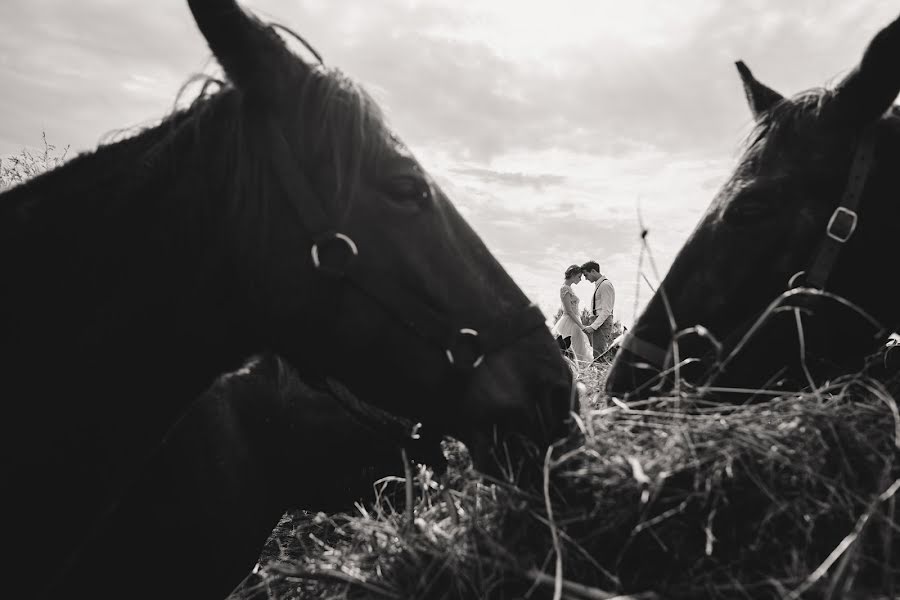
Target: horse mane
[(783, 119), (341, 128), (780, 124)]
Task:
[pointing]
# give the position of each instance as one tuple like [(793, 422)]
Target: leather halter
[(840, 228), (443, 331)]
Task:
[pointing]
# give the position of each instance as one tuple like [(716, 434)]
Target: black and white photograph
[(450, 300)]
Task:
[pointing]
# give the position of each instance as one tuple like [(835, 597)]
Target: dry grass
[(18, 168), (675, 498)]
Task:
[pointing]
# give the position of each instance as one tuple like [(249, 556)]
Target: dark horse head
[(278, 213), (787, 276)]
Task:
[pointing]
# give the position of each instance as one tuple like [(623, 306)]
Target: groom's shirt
[(603, 302)]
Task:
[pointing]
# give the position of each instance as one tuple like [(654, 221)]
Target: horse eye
[(408, 191), (749, 208)]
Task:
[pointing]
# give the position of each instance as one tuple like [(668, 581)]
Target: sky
[(555, 128)]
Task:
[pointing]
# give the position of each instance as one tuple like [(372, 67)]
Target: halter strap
[(843, 220)]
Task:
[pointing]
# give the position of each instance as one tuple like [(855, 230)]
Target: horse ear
[(253, 56), (760, 97), (871, 88)]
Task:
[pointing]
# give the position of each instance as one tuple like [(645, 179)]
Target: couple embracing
[(590, 341)]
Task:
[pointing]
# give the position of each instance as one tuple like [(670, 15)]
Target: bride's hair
[(572, 270)]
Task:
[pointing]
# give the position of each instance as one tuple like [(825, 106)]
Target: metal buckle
[(331, 270), (474, 334), (845, 227)]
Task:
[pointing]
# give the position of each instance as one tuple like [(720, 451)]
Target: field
[(794, 497)]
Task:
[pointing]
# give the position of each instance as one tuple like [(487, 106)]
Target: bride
[(569, 324)]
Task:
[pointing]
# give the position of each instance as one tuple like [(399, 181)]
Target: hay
[(675, 498)]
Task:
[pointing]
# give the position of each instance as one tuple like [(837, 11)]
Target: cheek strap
[(843, 220)]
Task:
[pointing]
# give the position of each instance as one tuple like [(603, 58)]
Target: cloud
[(518, 179), (480, 79), (81, 70), (485, 80), (595, 213)]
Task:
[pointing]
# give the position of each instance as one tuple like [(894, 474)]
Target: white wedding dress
[(566, 326)]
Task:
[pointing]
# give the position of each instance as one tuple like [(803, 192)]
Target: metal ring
[(473, 333), (794, 281), (338, 236)]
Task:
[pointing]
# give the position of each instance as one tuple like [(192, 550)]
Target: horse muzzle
[(520, 403), (637, 369), (643, 368)]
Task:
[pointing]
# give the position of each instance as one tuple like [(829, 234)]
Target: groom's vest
[(594, 297)]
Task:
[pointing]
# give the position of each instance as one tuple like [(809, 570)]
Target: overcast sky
[(547, 123)]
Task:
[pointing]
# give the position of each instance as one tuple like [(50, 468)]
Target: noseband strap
[(464, 343), (653, 354)]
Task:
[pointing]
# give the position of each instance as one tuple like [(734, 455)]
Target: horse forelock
[(340, 136), (345, 126)]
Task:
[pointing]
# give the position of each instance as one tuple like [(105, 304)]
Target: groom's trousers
[(600, 337)]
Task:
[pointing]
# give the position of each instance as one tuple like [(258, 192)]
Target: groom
[(602, 304)]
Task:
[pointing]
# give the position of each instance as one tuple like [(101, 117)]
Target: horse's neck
[(108, 278)]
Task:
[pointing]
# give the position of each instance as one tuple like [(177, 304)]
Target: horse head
[(780, 280), (365, 254)]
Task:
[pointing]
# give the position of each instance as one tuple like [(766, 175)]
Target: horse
[(779, 286), (277, 214), (181, 512)]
